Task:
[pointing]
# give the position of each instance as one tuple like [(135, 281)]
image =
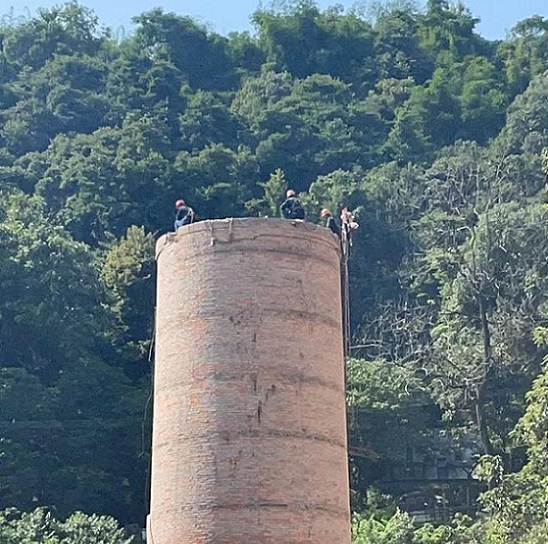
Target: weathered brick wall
[(249, 440)]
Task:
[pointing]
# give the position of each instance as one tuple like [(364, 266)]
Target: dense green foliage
[(434, 134), (42, 526)]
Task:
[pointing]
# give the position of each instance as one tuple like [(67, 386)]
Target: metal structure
[(249, 432)]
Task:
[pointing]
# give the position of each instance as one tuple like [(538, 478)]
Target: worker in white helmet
[(292, 207)]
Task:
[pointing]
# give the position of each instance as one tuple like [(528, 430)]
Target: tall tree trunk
[(480, 397), (479, 407)]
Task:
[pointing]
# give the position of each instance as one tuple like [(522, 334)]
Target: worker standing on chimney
[(184, 214), (292, 207)]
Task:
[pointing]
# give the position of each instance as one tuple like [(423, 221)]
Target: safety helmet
[(180, 203), (325, 213), (289, 193)]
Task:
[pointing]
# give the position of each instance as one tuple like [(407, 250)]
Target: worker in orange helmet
[(184, 214), (292, 207), (330, 222)]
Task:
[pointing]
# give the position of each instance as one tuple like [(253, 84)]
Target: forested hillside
[(432, 133)]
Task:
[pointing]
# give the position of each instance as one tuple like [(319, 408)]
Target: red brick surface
[(249, 440)]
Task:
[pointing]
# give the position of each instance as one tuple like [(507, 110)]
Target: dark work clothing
[(331, 224), (292, 209), (183, 217)]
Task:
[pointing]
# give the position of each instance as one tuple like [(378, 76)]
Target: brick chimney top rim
[(276, 227)]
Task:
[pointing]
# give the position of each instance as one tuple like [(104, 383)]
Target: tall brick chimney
[(249, 433)]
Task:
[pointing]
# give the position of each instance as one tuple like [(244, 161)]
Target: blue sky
[(223, 16)]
